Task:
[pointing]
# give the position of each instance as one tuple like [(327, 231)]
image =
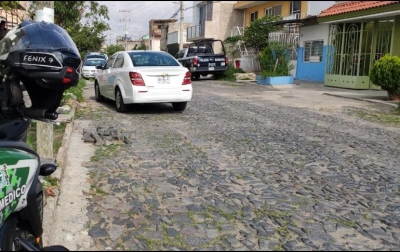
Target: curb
[(363, 99), (61, 159)]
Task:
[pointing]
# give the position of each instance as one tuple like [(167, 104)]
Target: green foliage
[(385, 73), (256, 34), (274, 60), (233, 39), (77, 91), (85, 22), (232, 46), (12, 7), (9, 5), (111, 49), (229, 74), (141, 47)]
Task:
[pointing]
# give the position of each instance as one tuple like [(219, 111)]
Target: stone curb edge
[(61, 159), (363, 99)]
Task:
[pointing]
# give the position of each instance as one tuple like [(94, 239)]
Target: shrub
[(385, 73), (274, 60)]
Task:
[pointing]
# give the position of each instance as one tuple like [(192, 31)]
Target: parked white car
[(89, 67), (143, 77)]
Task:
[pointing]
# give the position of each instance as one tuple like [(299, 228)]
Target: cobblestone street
[(239, 171)]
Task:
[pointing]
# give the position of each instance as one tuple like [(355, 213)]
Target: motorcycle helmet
[(44, 58)]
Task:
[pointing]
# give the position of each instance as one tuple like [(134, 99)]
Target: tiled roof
[(352, 6)]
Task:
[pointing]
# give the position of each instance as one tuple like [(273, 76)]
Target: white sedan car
[(89, 67), (143, 77)]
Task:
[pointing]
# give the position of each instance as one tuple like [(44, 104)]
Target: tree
[(142, 47), (256, 34), (85, 22), (111, 49)]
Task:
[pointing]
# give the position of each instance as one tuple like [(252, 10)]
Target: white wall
[(315, 8), (174, 37), (314, 32)]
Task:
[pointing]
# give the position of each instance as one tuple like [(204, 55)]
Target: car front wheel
[(97, 94), (179, 106), (119, 102)]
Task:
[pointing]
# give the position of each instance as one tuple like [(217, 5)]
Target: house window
[(313, 51), (273, 11), (253, 16), (205, 12), (295, 7)]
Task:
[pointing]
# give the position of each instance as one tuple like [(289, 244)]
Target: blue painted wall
[(310, 71)]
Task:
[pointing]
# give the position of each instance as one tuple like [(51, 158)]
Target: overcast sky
[(138, 14)]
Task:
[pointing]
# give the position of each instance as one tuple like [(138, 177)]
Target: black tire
[(15, 228), (119, 102), (97, 94), (7, 237), (196, 76), (179, 106)]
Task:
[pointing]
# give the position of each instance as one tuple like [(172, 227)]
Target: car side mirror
[(99, 67)]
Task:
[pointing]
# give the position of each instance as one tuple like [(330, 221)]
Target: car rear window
[(94, 62), (96, 56), (140, 59)]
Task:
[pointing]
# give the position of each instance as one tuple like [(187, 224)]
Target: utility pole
[(44, 131), (181, 28), (110, 38), (126, 32)]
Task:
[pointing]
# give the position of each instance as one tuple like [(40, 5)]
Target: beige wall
[(224, 17)]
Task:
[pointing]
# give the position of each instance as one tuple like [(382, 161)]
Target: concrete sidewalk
[(375, 96), (372, 96)]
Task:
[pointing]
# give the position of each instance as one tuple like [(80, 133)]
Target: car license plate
[(163, 80), (211, 68)]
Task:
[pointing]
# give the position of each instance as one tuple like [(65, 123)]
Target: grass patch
[(105, 151), (51, 181), (229, 74), (76, 91), (388, 118), (346, 223)]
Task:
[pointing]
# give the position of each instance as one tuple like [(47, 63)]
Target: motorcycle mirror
[(54, 248), (47, 169)]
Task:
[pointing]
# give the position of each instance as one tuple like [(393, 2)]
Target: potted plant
[(275, 65), (385, 73)]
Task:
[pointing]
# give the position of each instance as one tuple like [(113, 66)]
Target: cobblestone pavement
[(238, 172)]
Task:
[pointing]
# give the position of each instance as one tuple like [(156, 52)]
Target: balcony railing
[(295, 16), (195, 31)]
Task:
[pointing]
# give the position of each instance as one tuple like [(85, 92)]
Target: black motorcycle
[(42, 58)]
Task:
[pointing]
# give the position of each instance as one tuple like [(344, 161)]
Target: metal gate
[(352, 50)]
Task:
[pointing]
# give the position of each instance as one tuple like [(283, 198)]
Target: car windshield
[(152, 59), (94, 62)]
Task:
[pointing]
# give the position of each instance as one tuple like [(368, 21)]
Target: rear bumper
[(149, 95), (88, 75), (208, 69)]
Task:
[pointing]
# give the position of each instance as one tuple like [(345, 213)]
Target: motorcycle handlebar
[(35, 113)]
